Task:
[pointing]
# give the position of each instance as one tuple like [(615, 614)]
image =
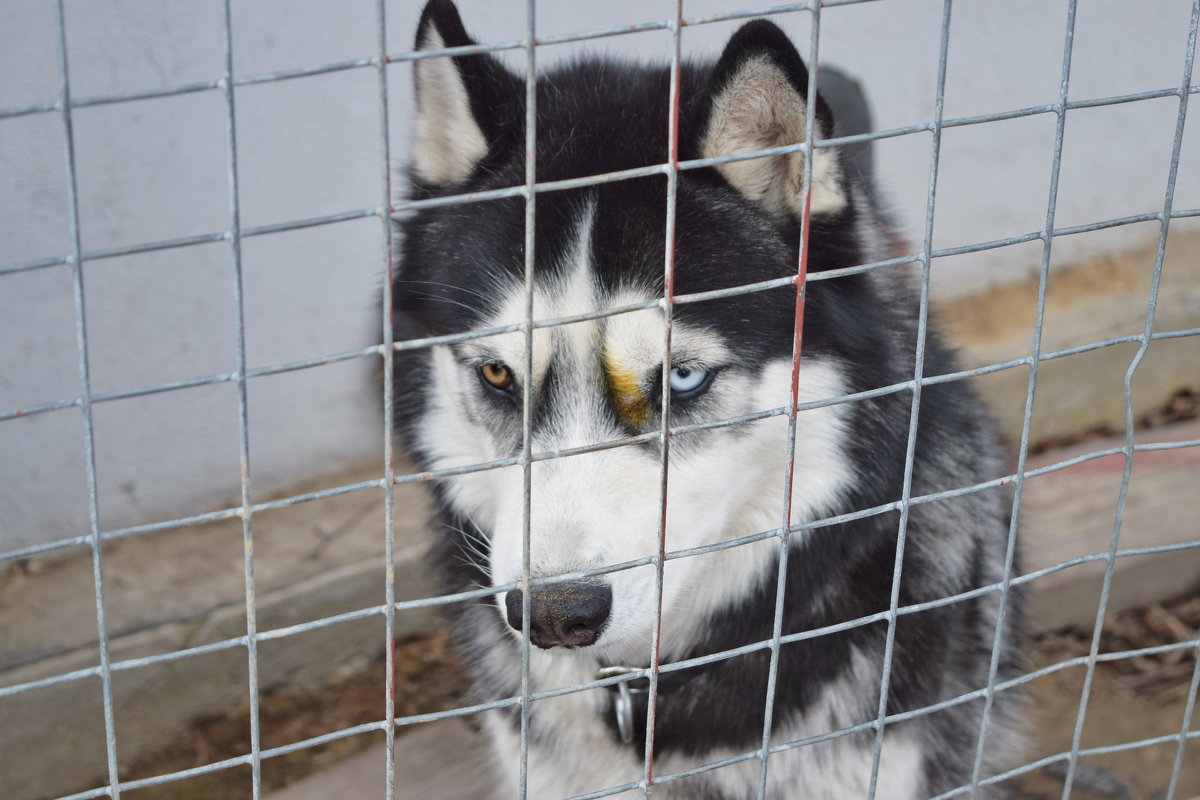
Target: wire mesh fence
[(227, 84)]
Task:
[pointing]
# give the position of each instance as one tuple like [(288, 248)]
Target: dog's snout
[(563, 614)]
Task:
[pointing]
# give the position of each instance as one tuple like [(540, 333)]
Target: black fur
[(597, 116)]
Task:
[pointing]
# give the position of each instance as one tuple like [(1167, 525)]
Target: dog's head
[(601, 378)]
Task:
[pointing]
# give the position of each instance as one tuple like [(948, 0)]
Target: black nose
[(563, 614)]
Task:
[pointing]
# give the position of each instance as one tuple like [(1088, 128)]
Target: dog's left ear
[(756, 100)]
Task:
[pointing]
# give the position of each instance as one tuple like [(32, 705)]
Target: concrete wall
[(156, 169)]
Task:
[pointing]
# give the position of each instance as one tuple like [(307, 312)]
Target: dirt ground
[(1131, 699), (427, 679)]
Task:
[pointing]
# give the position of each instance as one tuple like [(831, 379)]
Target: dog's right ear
[(757, 100), (461, 100)]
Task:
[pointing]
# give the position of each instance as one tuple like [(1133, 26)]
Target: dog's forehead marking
[(629, 394), (627, 347), (633, 348)]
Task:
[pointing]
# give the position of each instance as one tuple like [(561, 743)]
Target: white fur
[(834, 769), (603, 508), (447, 142)]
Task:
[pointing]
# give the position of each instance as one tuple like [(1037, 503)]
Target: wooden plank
[(1070, 513)]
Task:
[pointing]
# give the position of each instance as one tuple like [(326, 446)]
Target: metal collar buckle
[(623, 706)]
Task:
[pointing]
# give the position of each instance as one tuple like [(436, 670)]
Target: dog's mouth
[(570, 614)]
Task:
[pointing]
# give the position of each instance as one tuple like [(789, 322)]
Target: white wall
[(156, 169)]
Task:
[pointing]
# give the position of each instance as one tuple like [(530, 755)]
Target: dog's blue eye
[(686, 382)]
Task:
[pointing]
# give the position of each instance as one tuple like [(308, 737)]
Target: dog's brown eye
[(497, 376)]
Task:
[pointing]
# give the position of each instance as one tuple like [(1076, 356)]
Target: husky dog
[(599, 379)]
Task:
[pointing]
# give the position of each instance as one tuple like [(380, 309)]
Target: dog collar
[(633, 693)]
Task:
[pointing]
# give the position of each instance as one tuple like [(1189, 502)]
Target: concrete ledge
[(183, 589), (443, 760), (1087, 302)]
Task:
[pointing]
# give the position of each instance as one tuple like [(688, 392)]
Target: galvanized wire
[(707, 767), (687, 553), (431, 475), (85, 397), (308, 363), (420, 343), (235, 241), (389, 439), (229, 513), (1188, 710), (1030, 396), (783, 546), (358, 63), (935, 149), (387, 208), (530, 46), (659, 559), (1127, 472), (659, 169)]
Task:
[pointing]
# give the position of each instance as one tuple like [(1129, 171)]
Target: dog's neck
[(633, 694)]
